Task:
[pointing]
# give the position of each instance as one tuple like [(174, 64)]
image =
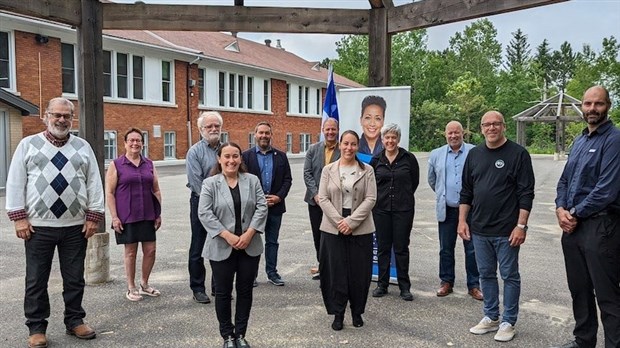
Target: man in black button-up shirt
[(588, 211)]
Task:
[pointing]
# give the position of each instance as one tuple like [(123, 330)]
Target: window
[(68, 68), (170, 145), (201, 86), (224, 137), (306, 97), (121, 75), (231, 90), (5, 60), (250, 92), (288, 97), (289, 142), (318, 101), (240, 91), (300, 98), (109, 145), (266, 95), (251, 142), (304, 142), (107, 73), (222, 88), (145, 144), (165, 81), (138, 77)]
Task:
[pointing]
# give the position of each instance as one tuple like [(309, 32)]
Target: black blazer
[(281, 180)]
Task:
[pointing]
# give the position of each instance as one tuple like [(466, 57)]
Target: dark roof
[(26, 107)]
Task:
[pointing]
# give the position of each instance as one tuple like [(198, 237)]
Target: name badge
[(592, 150)]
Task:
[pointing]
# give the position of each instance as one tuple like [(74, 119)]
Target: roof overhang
[(24, 106)]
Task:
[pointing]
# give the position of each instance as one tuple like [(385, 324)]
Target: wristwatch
[(572, 211), (523, 227)]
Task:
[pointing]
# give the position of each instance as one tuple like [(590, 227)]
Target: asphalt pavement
[(294, 315)]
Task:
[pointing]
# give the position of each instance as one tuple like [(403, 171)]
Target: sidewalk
[(293, 315)]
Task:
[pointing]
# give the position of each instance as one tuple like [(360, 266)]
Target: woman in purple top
[(134, 200)]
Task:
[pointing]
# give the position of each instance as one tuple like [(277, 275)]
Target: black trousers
[(592, 259), (40, 249), (316, 217), (393, 231), (245, 267), (346, 271), (196, 263)]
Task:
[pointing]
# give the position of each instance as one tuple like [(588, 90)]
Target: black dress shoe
[(379, 291), (338, 323), (357, 320), (229, 342), (571, 344), (242, 342), (201, 297), (406, 295)]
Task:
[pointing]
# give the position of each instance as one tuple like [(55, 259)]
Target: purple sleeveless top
[(135, 200)]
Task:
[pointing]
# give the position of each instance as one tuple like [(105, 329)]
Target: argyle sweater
[(54, 186)]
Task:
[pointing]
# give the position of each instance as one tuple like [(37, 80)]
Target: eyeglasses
[(134, 140), (492, 124), (210, 126), (57, 115)]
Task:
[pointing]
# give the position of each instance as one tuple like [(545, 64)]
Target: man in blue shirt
[(272, 168), (445, 170), (588, 212)]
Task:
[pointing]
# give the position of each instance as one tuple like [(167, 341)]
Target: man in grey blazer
[(445, 169), (317, 157)]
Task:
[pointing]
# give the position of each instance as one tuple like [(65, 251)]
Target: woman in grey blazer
[(347, 193), (233, 211)]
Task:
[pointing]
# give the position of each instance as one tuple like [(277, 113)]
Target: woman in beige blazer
[(347, 194), (233, 211)]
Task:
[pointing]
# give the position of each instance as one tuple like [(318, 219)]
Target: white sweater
[(55, 185)]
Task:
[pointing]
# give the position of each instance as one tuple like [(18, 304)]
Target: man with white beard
[(54, 195)]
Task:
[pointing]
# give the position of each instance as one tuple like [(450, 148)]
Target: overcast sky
[(577, 21)]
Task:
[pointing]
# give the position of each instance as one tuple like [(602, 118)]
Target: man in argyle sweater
[(54, 196)]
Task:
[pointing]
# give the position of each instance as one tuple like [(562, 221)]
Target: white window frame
[(224, 137), (133, 78), (110, 145), (201, 86), (234, 90), (62, 69), (305, 139), (289, 142), (267, 95), (145, 144), (170, 148), (251, 140), (11, 60), (167, 84)]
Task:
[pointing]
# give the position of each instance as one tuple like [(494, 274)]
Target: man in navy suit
[(272, 168)]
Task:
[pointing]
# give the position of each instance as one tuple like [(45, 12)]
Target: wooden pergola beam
[(63, 11), (234, 18), (428, 13)]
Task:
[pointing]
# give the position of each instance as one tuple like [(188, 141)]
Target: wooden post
[(379, 47), (90, 98)]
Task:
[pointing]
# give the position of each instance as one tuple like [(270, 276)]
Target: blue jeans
[(447, 243), (40, 249), (491, 251), (272, 232)]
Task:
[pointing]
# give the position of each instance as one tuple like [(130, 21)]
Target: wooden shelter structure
[(380, 21), (559, 109)]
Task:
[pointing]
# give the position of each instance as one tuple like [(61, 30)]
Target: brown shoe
[(82, 331), (37, 340), (476, 294), (445, 289)]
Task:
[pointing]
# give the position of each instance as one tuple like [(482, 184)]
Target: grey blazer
[(217, 214), (313, 165), (437, 176)]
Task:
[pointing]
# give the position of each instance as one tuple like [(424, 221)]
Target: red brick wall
[(120, 117)]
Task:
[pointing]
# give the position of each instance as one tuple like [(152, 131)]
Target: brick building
[(160, 82)]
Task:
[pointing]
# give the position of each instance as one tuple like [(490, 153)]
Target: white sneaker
[(485, 325), (505, 333)]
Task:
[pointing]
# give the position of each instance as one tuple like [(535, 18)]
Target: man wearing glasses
[(54, 195), (200, 159), (498, 188)]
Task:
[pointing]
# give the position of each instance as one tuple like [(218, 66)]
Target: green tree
[(427, 125), (543, 65), (518, 52), (469, 103), (352, 60), (563, 65)]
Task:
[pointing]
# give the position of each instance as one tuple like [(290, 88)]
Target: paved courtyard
[(293, 315)]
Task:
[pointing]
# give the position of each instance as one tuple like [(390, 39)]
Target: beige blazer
[(364, 197)]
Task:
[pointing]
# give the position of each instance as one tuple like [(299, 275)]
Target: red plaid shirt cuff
[(94, 216), (17, 215)]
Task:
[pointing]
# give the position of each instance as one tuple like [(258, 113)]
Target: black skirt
[(141, 231)]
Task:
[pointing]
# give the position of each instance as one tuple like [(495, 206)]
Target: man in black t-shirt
[(498, 188)]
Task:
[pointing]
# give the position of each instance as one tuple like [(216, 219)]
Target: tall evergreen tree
[(518, 52), (543, 65)]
